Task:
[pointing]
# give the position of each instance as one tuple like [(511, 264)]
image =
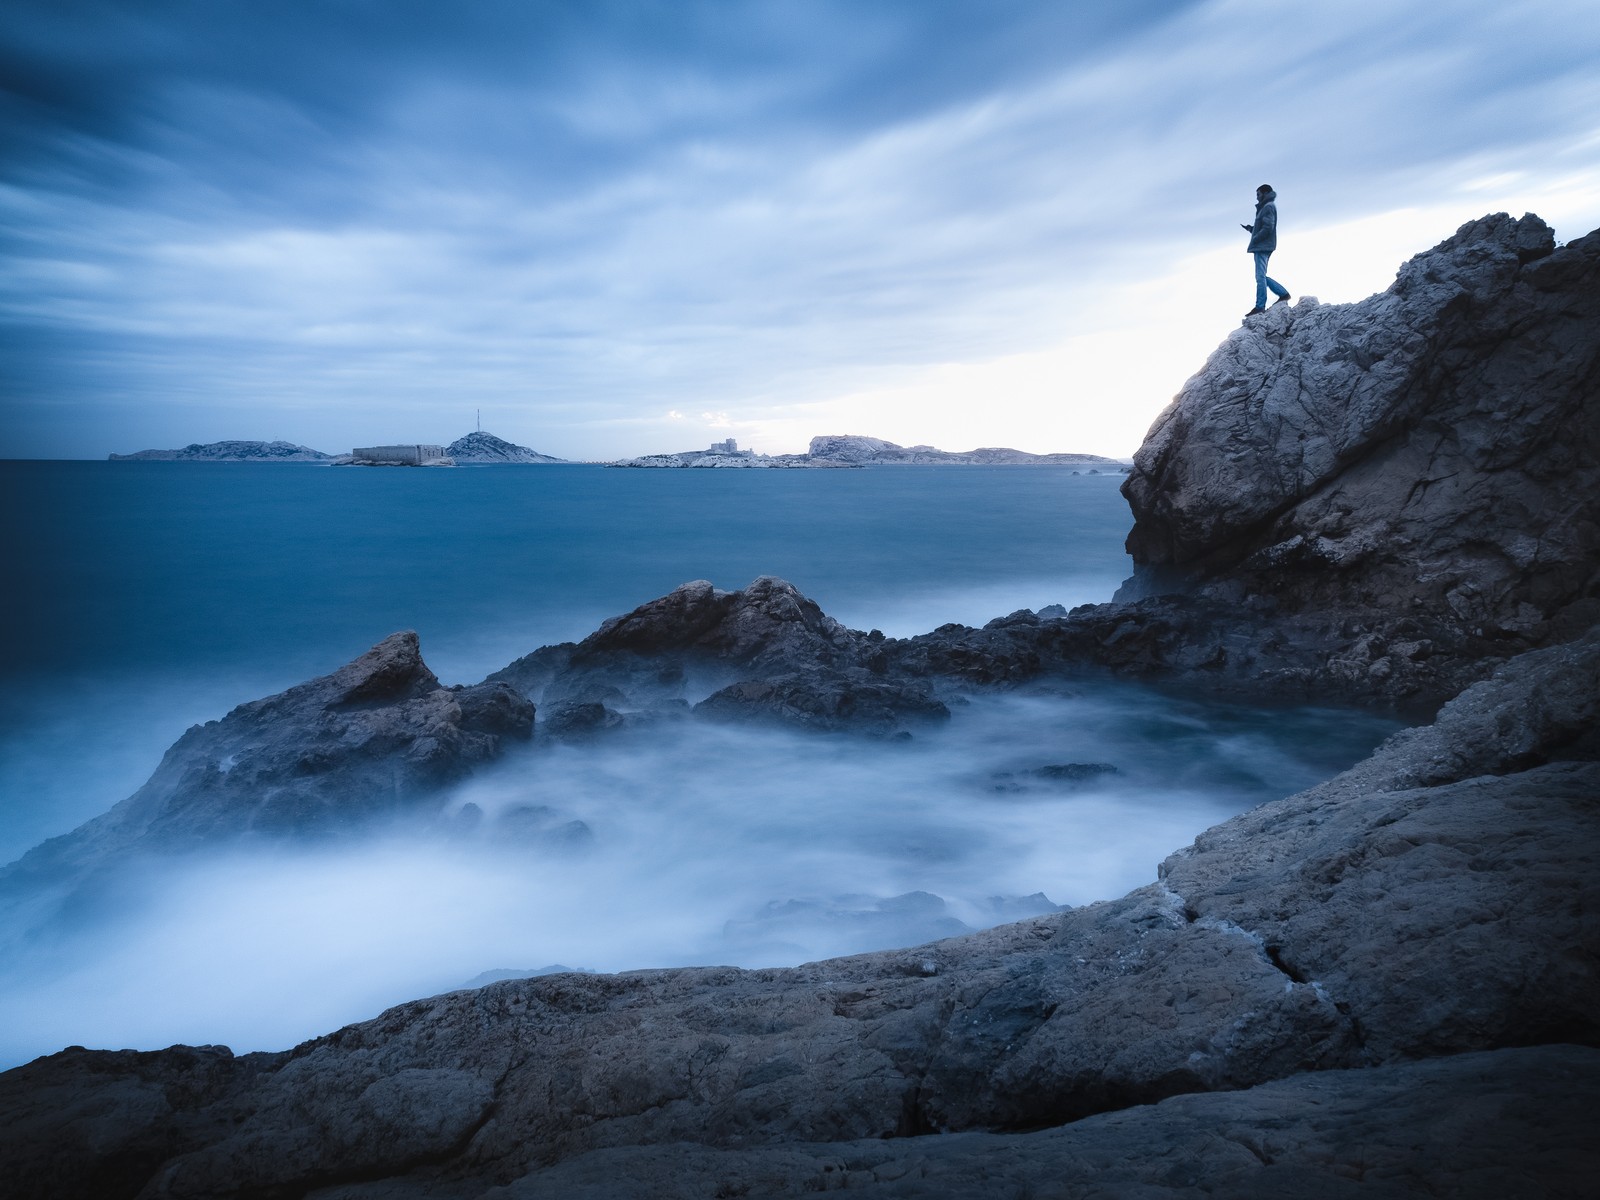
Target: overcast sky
[(625, 227)]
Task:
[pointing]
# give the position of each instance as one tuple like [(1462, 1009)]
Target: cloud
[(573, 214)]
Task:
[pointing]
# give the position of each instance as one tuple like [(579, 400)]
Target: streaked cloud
[(937, 222)]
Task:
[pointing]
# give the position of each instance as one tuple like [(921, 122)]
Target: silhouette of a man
[(1263, 241)]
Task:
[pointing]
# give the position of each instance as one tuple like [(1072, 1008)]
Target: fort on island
[(417, 455)]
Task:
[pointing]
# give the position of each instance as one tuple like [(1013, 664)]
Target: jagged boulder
[(1432, 451), (763, 653), (379, 738)]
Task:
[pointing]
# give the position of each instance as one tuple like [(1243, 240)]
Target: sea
[(145, 597)]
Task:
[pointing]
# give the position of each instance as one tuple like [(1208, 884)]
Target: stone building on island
[(416, 455)]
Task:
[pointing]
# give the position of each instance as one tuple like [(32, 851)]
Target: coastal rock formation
[(763, 653), (1432, 450), (376, 739), (480, 447), (1366, 922), (235, 451)]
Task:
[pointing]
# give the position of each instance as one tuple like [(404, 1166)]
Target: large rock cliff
[(1434, 449)]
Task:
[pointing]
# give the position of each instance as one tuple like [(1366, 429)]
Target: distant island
[(853, 450), (475, 447), (830, 451), (480, 447), (233, 451)]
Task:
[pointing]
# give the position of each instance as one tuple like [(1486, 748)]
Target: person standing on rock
[(1263, 241)]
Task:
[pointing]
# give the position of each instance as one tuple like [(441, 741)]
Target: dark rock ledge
[(1382, 986)]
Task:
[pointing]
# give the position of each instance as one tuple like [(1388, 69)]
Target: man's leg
[(1261, 279)]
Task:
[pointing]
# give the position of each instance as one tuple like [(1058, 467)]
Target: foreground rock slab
[(1472, 1127)]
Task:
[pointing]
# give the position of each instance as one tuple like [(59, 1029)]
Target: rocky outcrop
[(234, 451), (480, 447), (1367, 922), (763, 653), (1432, 452), (376, 740)]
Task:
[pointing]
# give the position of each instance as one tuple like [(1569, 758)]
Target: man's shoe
[(1254, 311), (1281, 298)]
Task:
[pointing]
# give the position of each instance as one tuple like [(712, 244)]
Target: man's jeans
[(1263, 283)]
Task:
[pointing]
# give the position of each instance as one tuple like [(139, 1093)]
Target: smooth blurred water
[(145, 597)]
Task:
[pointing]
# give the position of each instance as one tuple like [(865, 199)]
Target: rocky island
[(1384, 986), (481, 447), (476, 448), (852, 450), (232, 451)]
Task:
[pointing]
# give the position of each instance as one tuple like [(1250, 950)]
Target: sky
[(606, 228)]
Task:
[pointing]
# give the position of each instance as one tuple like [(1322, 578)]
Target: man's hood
[(1267, 198)]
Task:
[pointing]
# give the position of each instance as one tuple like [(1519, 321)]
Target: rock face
[(229, 452), (1438, 900), (1433, 450), (480, 447), (764, 653), (376, 739)]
